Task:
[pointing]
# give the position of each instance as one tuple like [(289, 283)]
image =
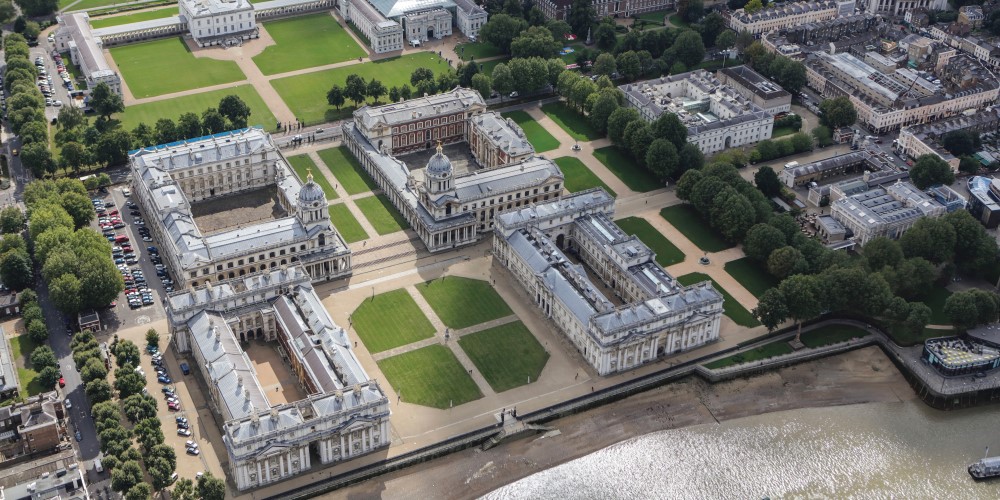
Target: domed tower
[(438, 176), (312, 207)]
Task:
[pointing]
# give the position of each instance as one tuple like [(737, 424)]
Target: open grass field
[(782, 131), (477, 50), (134, 17), (390, 320), (346, 224), (149, 112), (677, 21), (540, 138), (507, 356), (619, 163), (89, 4), (463, 302), (152, 68), (571, 57), (303, 166), (306, 94), (666, 253), (730, 307), (381, 214), (935, 299), (21, 347), (347, 170), (430, 376), (656, 17), (579, 177), (689, 222), (765, 351), (305, 42), (751, 275), (575, 124), (831, 334), (487, 67)]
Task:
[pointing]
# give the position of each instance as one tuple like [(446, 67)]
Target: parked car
[(67, 404), (183, 432), (163, 379), (193, 451)]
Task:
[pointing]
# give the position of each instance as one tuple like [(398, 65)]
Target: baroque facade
[(788, 15), (389, 25), (344, 414), (656, 317), (212, 22), (169, 177)]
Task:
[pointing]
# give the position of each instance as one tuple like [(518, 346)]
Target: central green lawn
[(575, 124), (21, 348), (751, 275), (831, 334), (149, 112), (306, 94), (782, 131), (487, 67), (935, 300), (304, 42), (730, 307), (619, 163), (765, 351), (463, 302), (507, 355), (347, 170), (579, 177), (478, 50), (430, 376), (346, 224), (666, 253), (390, 320), (303, 165), (688, 221), (381, 214), (677, 21), (540, 138), (134, 17), (656, 17), (167, 66)]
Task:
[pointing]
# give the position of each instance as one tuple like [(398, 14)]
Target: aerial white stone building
[(639, 312), (776, 17), (169, 178), (86, 51), (389, 24), (344, 413), (470, 17), (884, 211), (213, 22), (900, 7)]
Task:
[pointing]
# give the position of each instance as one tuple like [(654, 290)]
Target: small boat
[(987, 468)]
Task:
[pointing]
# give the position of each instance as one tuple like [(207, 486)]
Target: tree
[(98, 391), (420, 74), (65, 292), (605, 37), (37, 157), (969, 165), (604, 65), (838, 112), (690, 157), (753, 6), (801, 142), (761, 240), (183, 490), (152, 338), (211, 488), (911, 278), (662, 159), (711, 26), (160, 471), (357, 90), (803, 297), (48, 377), (582, 90), (335, 96), (932, 239), (73, 156), (126, 353), (141, 491), (725, 40), (689, 48), (465, 73), (130, 383), (105, 102), (15, 270), (79, 207), (503, 81), (148, 433), (882, 252), (929, 170), (188, 126), (961, 310), (94, 369), (43, 357), (166, 130), (481, 83), (405, 92), (137, 406), (786, 261), (125, 476), (692, 10), (961, 142), (771, 310), (604, 106), (235, 110), (536, 41), (33, 132), (395, 95), (767, 181), (618, 121), (581, 17), (629, 65), (376, 89), (638, 137), (112, 147), (975, 249), (100, 278), (11, 220), (500, 31), (669, 127)]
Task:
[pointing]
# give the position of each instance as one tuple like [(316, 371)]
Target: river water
[(882, 450)]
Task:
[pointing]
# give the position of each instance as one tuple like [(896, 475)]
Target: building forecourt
[(344, 413), (647, 313), (448, 209), (170, 181)]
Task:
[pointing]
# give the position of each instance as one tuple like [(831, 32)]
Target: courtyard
[(273, 372), (222, 213), (458, 154)]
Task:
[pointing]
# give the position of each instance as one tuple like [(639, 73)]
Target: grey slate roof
[(503, 133), (422, 107), (396, 8)]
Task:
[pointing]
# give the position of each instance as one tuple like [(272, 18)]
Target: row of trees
[(768, 149), (725, 200), (26, 104), (788, 73)]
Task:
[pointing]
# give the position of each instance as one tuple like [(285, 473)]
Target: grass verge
[(619, 163), (765, 351), (152, 68), (306, 42), (347, 170), (751, 276), (575, 124), (303, 166), (539, 138)]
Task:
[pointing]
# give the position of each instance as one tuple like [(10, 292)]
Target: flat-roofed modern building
[(884, 211), (169, 180), (717, 117), (446, 208), (788, 14), (214, 22), (68, 483), (761, 91), (86, 51), (984, 202), (344, 413), (637, 314)]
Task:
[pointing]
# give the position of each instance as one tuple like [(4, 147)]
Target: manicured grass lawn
[(782, 131), (306, 94), (573, 123), (656, 17), (831, 334), (463, 302), (935, 300), (134, 17), (487, 67), (751, 275), (305, 42), (381, 214), (909, 339), (89, 4), (688, 221), (346, 224), (635, 177), (677, 21), (155, 68), (666, 253), (390, 320), (303, 165), (730, 307), (507, 355), (540, 138), (579, 177), (347, 170), (571, 57), (430, 376), (149, 112), (21, 347), (478, 50), (765, 351)]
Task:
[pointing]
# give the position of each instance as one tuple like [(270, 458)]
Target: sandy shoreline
[(862, 376)]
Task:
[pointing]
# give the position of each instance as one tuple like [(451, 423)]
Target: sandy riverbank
[(862, 376)]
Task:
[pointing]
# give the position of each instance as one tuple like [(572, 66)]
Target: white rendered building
[(423, 25), (716, 115), (383, 21), (900, 7), (657, 316), (470, 17), (167, 179), (788, 14), (344, 413), (86, 51), (212, 22)]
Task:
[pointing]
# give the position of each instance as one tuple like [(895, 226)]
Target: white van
[(98, 466)]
